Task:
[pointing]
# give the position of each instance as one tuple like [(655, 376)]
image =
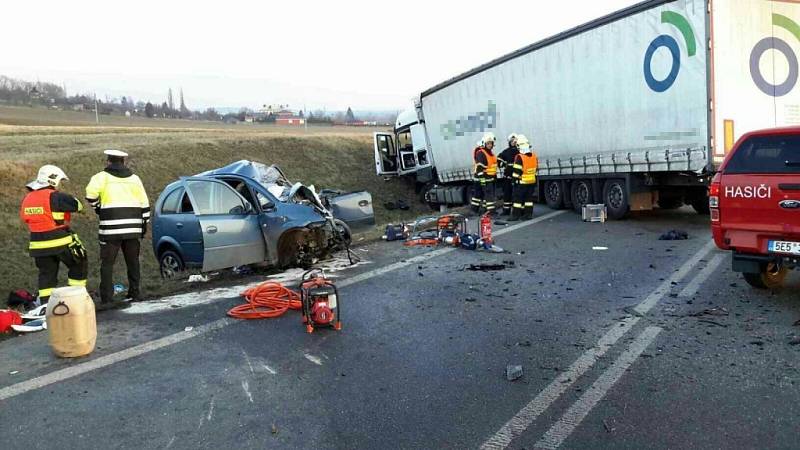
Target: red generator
[(320, 299)]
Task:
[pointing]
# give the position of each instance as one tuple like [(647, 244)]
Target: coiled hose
[(267, 300)]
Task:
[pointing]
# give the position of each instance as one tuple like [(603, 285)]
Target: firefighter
[(505, 170), (120, 201), (524, 175), (485, 175), (47, 214)]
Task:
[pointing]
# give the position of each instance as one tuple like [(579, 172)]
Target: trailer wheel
[(615, 197), (581, 193), (554, 195)]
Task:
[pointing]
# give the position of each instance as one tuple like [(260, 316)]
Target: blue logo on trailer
[(669, 42)]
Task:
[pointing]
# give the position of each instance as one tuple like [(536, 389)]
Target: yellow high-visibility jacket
[(120, 200)]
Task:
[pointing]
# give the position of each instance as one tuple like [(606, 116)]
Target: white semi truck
[(633, 110)]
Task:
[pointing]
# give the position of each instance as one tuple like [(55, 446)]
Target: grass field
[(326, 157)]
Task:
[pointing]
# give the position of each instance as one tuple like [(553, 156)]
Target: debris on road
[(608, 427), (197, 279), (9, 318), (188, 329), (274, 429), (674, 235), (721, 311), (600, 248), (513, 372), (796, 324), (713, 322), (488, 267), (795, 340), (399, 204), (242, 270), (13, 372)]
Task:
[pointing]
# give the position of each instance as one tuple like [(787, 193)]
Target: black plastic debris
[(674, 235), (486, 267)]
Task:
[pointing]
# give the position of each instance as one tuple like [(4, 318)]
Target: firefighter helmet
[(48, 175)]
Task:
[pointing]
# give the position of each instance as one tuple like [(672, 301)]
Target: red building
[(287, 117)]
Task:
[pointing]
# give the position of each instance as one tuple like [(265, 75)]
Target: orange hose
[(265, 301)]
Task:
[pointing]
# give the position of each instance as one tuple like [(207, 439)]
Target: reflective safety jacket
[(505, 162), (121, 203), (485, 164), (525, 168), (46, 212)]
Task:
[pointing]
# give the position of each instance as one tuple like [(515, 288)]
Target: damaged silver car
[(250, 213)]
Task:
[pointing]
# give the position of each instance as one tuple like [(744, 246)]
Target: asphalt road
[(626, 342)]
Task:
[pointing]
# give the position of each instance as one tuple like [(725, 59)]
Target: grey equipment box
[(594, 213)]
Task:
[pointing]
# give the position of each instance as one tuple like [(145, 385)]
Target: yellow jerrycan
[(71, 323)]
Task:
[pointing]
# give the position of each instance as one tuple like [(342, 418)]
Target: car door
[(385, 154), (230, 226), (177, 223), (354, 208)]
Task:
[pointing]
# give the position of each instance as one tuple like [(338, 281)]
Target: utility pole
[(96, 114), (305, 118)]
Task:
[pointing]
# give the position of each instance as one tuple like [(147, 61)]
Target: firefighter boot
[(528, 215), (516, 215)]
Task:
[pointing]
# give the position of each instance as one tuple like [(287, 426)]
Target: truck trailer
[(634, 110)]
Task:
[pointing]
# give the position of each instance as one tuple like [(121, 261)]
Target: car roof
[(774, 131)]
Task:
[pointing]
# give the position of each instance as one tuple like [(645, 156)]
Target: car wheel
[(615, 197), (770, 277), (344, 231), (171, 265), (554, 194), (581, 193)]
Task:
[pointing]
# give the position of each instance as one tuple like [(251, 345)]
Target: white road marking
[(171, 441), (701, 277), (562, 429), (147, 347), (526, 416), (246, 389), (648, 303), (107, 360), (270, 369), (314, 359), (210, 410), (249, 364)]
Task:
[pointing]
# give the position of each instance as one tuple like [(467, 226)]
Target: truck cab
[(405, 150)]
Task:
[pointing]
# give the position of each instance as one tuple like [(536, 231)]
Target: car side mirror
[(238, 210)]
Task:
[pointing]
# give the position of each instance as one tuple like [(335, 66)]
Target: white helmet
[(489, 137), (48, 175), (511, 137), (523, 144)]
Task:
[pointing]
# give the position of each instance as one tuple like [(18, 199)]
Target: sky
[(311, 54)]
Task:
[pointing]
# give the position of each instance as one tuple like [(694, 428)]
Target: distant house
[(287, 117)]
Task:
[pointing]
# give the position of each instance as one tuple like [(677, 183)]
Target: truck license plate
[(784, 247)]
